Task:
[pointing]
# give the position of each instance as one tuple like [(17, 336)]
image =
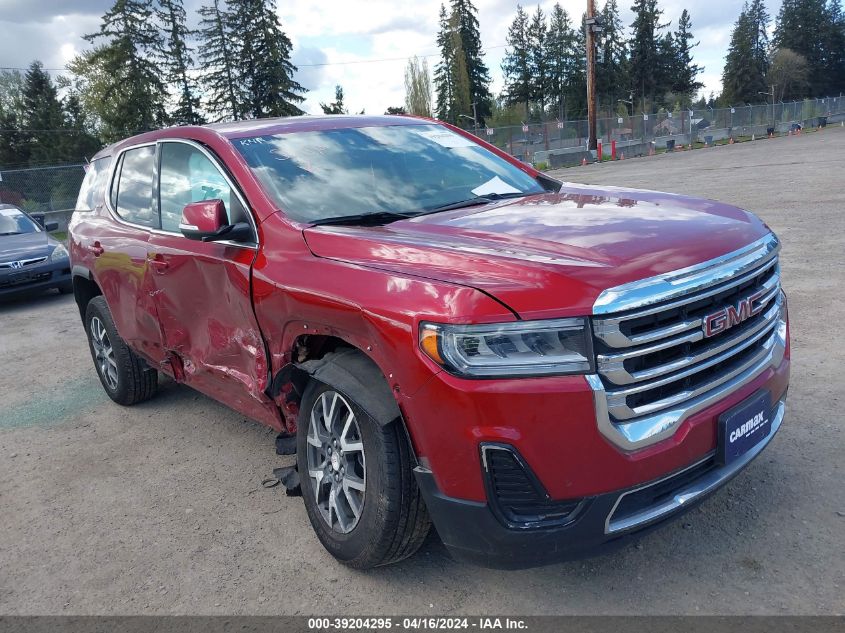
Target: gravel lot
[(158, 508)]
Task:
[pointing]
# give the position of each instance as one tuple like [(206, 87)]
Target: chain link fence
[(53, 189), (564, 142), (42, 189)]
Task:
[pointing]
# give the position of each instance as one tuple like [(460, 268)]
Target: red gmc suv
[(440, 333)]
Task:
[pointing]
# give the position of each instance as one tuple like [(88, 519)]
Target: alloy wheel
[(103, 353), (336, 463)]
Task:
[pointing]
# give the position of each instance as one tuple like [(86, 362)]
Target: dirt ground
[(159, 509)]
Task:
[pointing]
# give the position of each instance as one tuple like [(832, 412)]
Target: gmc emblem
[(731, 315)]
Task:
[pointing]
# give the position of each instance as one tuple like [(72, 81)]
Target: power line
[(385, 59), (315, 65)]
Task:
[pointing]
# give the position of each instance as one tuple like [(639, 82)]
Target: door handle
[(97, 249), (159, 265)]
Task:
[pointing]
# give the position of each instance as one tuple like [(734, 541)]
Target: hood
[(549, 254), (25, 246)]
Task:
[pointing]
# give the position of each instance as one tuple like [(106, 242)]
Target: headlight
[(59, 253), (522, 348)]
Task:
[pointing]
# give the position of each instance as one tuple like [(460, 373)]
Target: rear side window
[(93, 185), (132, 190)]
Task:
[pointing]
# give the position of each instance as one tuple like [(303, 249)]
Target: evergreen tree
[(13, 147), (665, 70), (516, 64), (79, 143), (263, 60), (120, 79), (477, 71), (451, 76), (833, 37), (685, 71), (743, 77), (576, 85), (443, 82), (537, 36), (177, 62), (337, 106), (760, 19), (612, 81), (561, 56), (462, 86), (646, 50), (41, 115), (814, 30), (217, 55)]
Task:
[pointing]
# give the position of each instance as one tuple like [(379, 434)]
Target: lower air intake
[(517, 496)]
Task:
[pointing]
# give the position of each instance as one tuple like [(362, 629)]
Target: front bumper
[(472, 532), (35, 278)]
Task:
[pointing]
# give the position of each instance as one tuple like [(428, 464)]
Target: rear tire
[(125, 377), (392, 520)]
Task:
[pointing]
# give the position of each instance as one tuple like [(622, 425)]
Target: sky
[(336, 41)]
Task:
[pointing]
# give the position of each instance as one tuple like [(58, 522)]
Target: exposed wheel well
[(83, 291), (314, 347), (342, 365)]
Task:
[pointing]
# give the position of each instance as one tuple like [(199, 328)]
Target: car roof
[(267, 127), (9, 206), (283, 125)]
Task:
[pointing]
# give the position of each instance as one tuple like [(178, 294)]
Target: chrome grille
[(654, 363), (23, 262)]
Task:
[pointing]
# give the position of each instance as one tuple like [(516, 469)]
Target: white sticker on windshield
[(444, 137), (494, 185)]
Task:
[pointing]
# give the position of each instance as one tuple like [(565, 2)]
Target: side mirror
[(207, 222), (51, 226), (38, 217)]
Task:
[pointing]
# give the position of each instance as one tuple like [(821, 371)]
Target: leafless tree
[(788, 72), (417, 87)]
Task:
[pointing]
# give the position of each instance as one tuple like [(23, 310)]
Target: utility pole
[(772, 95), (592, 26)]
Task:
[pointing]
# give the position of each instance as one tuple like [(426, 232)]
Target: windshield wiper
[(11, 233), (485, 199), (385, 217), (363, 219)]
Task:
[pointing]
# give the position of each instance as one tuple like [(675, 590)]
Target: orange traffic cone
[(621, 155), (731, 142), (583, 162)]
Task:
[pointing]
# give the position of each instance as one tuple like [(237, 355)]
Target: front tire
[(125, 377), (357, 481)]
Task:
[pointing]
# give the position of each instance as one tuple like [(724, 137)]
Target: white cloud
[(344, 33)]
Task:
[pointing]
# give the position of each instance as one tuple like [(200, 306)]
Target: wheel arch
[(84, 288), (343, 366)]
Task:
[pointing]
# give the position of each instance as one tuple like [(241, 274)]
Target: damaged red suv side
[(438, 331)]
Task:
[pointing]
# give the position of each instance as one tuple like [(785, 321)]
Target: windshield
[(14, 222), (397, 169)]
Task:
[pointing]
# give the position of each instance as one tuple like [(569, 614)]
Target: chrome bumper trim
[(706, 484)]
